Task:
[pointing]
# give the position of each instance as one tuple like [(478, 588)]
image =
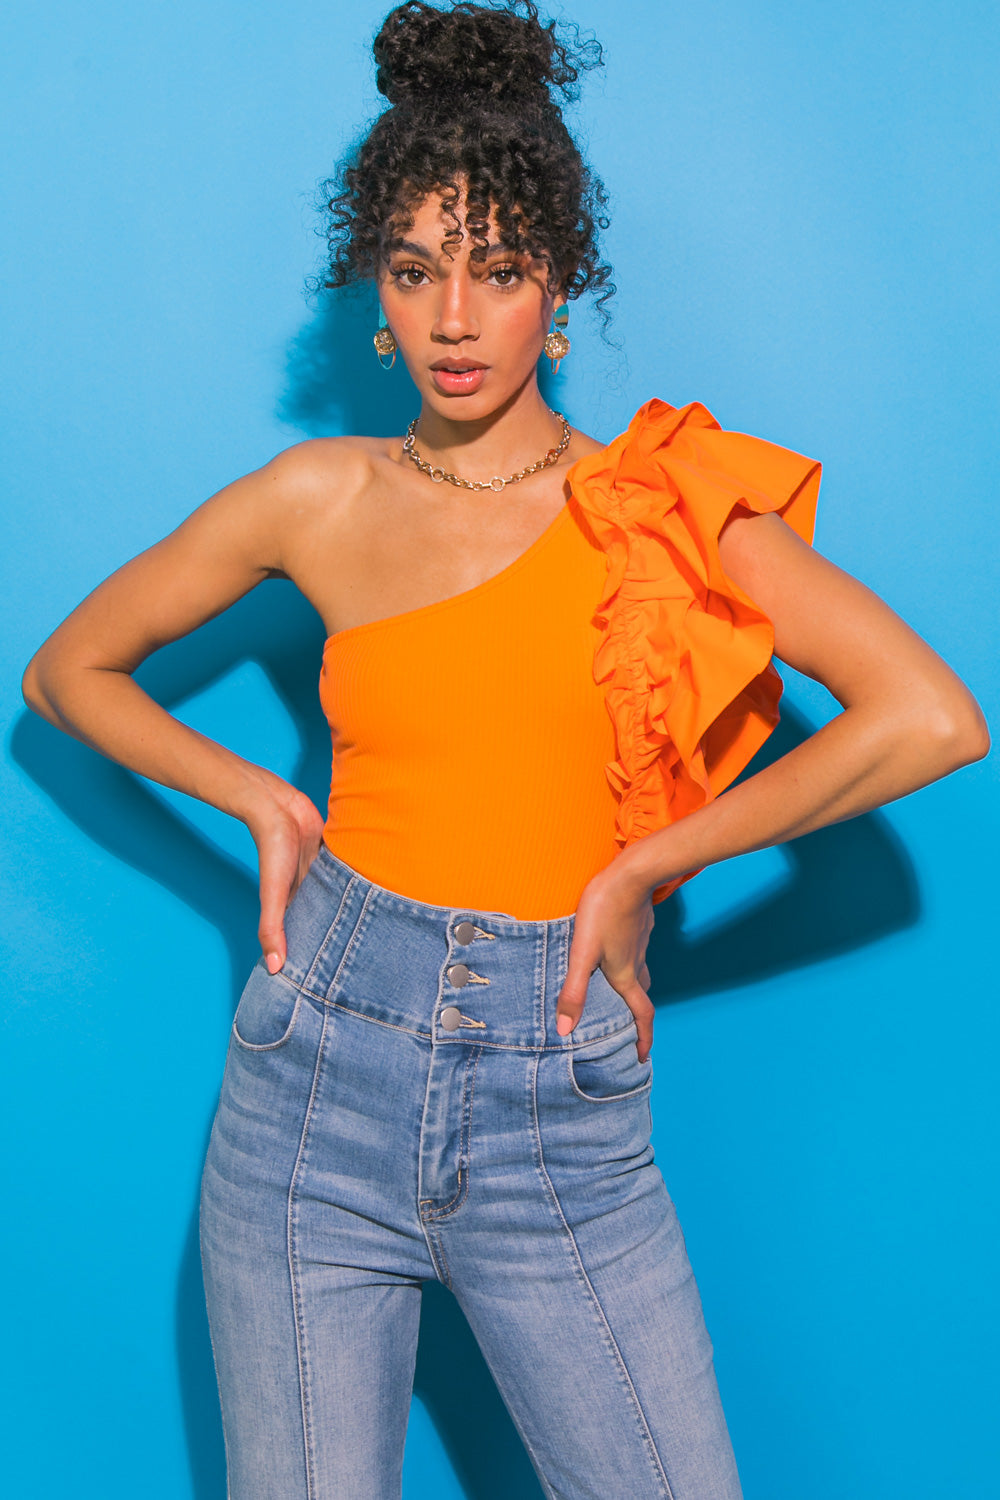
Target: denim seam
[(556, 1047), (331, 930), (292, 984), (356, 932), (464, 1148), (526, 1047), (611, 1340), (548, 1490), (215, 1358), (361, 1015), (433, 1214), (301, 1340), (637, 1092), (434, 1246), (269, 1046), (437, 1252), (541, 984)]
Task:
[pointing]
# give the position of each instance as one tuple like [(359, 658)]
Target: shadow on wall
[(333, 380), (847, 885)]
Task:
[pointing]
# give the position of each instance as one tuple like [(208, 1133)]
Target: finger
[(642, 1009), (271, 932), (573, 995)]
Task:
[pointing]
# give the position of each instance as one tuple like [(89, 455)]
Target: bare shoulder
[(313, 493), (582, 445), (318, 470), (272, 515)]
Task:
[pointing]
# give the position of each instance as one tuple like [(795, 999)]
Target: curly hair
[(471, 110)]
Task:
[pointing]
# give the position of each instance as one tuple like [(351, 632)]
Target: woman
[(538, 687)]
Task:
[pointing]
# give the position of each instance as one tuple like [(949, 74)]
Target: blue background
[(805, 211)]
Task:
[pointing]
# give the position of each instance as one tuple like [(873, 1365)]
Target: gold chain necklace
[(496, 484)]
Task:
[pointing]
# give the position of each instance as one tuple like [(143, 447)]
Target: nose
[(456, 316)]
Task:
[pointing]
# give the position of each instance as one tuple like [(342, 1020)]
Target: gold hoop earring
[(384, 342), (557, 345)]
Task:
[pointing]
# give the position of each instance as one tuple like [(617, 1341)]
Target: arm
[(80, 679), (907, 720)]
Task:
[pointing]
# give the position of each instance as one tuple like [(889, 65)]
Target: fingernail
[(564, 1025), (273, 962)]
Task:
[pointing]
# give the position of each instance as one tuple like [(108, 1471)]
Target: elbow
[(959, 732), (31, 689), (976, 739), (34, 693)]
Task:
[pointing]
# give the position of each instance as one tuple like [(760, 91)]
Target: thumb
[(573, 995)]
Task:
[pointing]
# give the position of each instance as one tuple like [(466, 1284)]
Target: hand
[(287, 833), (614, 920)]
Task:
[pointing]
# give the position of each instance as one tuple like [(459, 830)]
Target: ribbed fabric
[(470, 738), (496, 749)]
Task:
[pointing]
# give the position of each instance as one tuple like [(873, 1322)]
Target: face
[(470, 332)]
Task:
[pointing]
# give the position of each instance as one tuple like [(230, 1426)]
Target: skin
[(364, 535)]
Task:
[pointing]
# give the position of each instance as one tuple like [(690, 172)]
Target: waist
[(530, 864), (448, 973)]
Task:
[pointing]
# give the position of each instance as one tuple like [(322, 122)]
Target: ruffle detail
[(685, 654)]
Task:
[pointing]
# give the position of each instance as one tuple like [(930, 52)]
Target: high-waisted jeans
[(398, 1106)]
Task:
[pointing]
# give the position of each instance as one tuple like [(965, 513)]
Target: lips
[(458, 377)]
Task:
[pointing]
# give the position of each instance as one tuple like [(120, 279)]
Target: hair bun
[(430, 56)]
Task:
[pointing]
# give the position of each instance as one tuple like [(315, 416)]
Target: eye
[(506, 275), (408, 275)]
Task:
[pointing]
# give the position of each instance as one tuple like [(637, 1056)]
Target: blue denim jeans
[(398, 1106)]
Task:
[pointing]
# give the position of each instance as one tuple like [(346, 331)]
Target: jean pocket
[(268, 1010), (609, 1069)]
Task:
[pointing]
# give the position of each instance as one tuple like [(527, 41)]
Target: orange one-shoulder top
[(496, 749)]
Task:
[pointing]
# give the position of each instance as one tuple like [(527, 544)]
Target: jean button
[(464, 932), (458, 974), (451, 1018)]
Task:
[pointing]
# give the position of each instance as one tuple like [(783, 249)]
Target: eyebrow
[(413, 248)]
